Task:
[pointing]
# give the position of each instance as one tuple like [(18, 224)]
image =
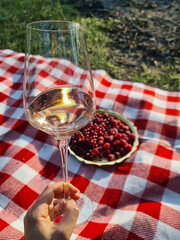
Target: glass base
[(85, 209)]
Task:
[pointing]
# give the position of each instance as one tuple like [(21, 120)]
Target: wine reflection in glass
[(59, 96)]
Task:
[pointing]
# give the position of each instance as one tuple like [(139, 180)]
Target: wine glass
[(59, 96)]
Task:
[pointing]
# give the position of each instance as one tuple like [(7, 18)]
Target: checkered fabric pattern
[(137, 199)]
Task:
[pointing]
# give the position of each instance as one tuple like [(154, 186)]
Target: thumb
[(69, 219)]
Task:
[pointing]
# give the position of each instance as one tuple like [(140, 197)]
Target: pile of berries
[(105, 137)]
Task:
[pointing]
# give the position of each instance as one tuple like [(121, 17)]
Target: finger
[(56, 190), (68, 189), (59, 206), (50, 192), (57, 210), (69, 219)]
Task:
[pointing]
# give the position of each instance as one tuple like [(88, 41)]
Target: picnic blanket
[(136, 199)]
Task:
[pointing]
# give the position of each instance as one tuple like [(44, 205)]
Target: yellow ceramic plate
[(119, 160)]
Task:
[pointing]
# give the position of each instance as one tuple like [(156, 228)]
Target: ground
[(145, 34)]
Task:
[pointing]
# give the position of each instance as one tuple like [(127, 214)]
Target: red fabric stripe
[(4, 147), (3, 96), (3, 177), (25, 197), (80, 182), (13, 69), (159, 176), (169, 131), (50, 170), (164, 152), (105, 82), (24, 155), (150, 208), (173, 112), (93, 230), (111, 197)]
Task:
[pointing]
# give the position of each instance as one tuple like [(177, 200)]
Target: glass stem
[(63, 147)]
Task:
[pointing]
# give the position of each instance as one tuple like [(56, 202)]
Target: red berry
[(93, 142), (110, 138), (106, 146), (114, 123), (111, 157), (100, 142), (132, 137), (127, 148), (101, 138), (111, 131), (117, 154), (122, 142), (105, 115), (121, 130), (95, 151), (100, 154), (112, 149), (118, 136), (125, 127), (115, 130), (86, 155), (100, 132), (106, 137), (125, 137), (117, 143), (119, 122), (111, 118)]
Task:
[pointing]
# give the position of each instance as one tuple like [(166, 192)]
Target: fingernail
[(78, 195)]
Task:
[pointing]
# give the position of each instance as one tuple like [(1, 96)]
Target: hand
[(38, 222)]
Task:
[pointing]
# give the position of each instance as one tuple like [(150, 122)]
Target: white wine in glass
[(59, 96)]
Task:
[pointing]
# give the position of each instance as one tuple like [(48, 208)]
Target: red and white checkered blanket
[(137, 199)]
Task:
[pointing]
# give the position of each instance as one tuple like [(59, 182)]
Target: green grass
[(14, 16)]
